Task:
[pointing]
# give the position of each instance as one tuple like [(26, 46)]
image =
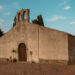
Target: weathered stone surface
[(71, 47)]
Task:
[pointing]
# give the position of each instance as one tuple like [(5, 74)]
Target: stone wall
[(71, 42), (11, 40), (53, 44), (23, 32), (45, 43), (32, 41)]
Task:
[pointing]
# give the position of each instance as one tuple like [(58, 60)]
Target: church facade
[(29, 42)]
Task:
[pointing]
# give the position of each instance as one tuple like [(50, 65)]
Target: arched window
[(24, 15), (19, 17)]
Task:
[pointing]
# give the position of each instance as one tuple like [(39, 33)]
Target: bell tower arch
[(23, 15)]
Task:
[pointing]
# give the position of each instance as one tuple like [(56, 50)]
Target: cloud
[(2, 24), (7, 13), (55, 18), (1, 20), (65, 2), (16, 5), (72, 22), (1, 7), (67, 8)]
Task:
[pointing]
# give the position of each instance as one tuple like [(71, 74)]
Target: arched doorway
[(22, 52)]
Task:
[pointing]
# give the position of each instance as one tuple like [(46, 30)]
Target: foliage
[(1, 33), (38, 21), (14, 21), (14, 51), (30, 52)]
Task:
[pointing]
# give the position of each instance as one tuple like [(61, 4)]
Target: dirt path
[(35, 69)]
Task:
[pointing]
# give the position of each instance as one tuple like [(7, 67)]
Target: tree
[(14, 21), (35, 21), (1, 33), (38, 21)]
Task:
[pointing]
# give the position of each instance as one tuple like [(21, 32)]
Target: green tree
[(38, 21), (1, 33), (14, 23)]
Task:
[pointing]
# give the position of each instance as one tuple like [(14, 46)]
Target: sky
[(57, 14)]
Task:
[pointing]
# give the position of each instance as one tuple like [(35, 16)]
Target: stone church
[(29, 42)]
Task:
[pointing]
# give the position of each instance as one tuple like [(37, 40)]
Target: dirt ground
[(35, 69)]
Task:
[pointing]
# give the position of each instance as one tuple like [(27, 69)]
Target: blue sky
[(57, 14)]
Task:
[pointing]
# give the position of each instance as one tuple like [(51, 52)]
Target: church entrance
[(22, 52)]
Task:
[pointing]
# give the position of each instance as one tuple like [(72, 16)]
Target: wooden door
[(22, 52)]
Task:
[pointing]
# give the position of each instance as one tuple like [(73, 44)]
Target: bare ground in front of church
[(35, 69)]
